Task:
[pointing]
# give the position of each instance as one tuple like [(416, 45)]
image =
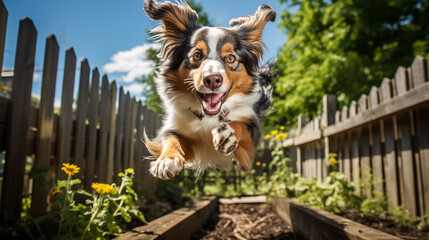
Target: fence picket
[(45, 125), (3, 26), (112, 133), (19, 115), (103, 130), (133, 122), (119, 136), (92, 130), (81, 114), (126, 132)]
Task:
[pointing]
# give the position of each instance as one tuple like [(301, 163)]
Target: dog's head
[(211, 63)]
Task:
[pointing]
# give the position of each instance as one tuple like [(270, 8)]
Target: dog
[(213, 89)]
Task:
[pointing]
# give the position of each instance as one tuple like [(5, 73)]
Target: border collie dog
[(213, 89)]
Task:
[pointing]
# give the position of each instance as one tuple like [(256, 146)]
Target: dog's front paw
[(166, 167), (224, 139)]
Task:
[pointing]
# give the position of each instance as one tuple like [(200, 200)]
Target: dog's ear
[(250, 28), (176, 20)]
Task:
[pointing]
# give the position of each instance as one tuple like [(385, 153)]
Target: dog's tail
[(154, 147), (267, 73)]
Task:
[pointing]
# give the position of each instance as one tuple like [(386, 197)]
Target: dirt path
[(245, 221)]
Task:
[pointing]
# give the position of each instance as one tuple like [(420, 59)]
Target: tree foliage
[(153, 101), (343, 47)]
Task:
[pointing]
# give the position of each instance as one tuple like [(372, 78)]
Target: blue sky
[(111, 34)]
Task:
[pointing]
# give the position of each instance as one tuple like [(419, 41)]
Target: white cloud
[(133, 63), (135, 88), (57, 103), (36, 77)]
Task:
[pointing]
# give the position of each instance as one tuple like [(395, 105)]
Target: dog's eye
[(197, 56), (230, 58)]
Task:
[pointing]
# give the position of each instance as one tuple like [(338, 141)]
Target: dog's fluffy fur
[(213, 89)]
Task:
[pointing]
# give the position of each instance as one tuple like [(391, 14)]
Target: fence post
[(65, 122), (3, 26), (126, 132), (45, 125), (19, 115)]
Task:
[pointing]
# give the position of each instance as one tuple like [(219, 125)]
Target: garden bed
[(388, 226), (311, 223), (245, 218)]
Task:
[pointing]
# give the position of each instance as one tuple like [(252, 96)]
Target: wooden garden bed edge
[(179, 224), (311, 223)]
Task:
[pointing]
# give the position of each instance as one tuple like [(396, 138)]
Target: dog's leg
[(171, 160), (234, 138)]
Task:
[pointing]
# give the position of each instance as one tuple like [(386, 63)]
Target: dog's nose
[(213, 81)]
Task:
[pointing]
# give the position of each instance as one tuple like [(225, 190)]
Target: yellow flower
[(70, 169), (332, 161), (274, 132), (56, 192), (281, 136), (258, 163), (102, 188), (282, 127), (267, 136), (129, 171), (264, 164)]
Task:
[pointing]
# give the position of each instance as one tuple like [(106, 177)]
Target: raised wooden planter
[(311, 223), (180, 224)]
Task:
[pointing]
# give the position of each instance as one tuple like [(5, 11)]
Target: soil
[(388, 226), (245, 221)]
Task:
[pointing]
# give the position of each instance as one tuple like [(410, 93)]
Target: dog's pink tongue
[(213, 99)]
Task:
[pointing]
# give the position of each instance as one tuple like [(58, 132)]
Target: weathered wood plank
[(133, 123), (347, 156), (92, 130), (419, 70), (66, 121), (138, 157), (355, 161), (353, 110), (112, 133), (19, 110), (408, 166), (104, 130), (386, 90), (363, 103), (365, 160), (45, 128), (81, 114), (377, 158), (402, 81), (374, 97), (337, 116), (422, 130), (390, 162), (3, 27), (410, 100), (344, 113), (119, 136), (126, 132)]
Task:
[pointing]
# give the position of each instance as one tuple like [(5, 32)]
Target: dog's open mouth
[(212, 102)]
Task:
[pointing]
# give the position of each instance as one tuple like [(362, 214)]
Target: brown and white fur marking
[(213, 89)]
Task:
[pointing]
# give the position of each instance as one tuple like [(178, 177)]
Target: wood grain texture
[(19, 114), (66, 120), (45, 126), (92, 130)]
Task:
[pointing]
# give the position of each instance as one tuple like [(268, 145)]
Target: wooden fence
[(99, 137), (384, 133)]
